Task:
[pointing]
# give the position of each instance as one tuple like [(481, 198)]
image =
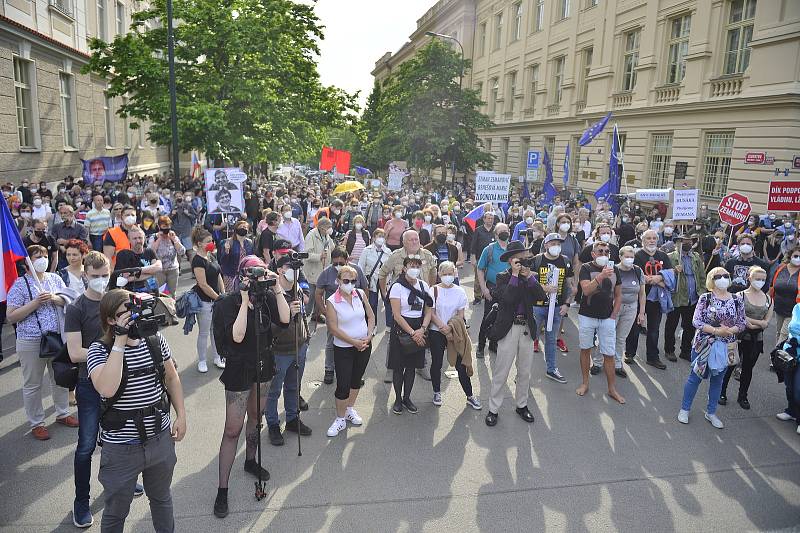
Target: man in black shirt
[(39, 236), (603, 233), (652, 261), (137, 257), (266, 241), (739, 266)]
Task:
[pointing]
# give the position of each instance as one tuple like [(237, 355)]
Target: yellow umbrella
[(348, 186)]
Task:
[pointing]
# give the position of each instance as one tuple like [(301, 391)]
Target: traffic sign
[(533, 159), (734, 209)]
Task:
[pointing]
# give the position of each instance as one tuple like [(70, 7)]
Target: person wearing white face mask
[(116, 238), (690, 277), (447, 324), (291, 229), (785, 291), (738, 266), (356, 239), (667, 233), (370, 262), (719, 317), (319, 246), (32, 302), (528, 218), (631, 310)]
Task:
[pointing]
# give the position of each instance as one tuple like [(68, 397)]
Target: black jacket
[(509, 298)]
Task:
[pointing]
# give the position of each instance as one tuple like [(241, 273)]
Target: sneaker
[(251, 467), (69, 421), (723, 400), (352, 415), (536, 346), (715, 421), (621, 372), (202, 367), (479, 353), (743, 403), (594, 370), (798, 429), (410, 406), (138, 490), (683, 416), (397, 408), (474, 402), (437, 399), (784, 416), (389, 376), (81, 515), (562, 345), (339, 424), (275, 435), (556, 376), (219, 362), (40, 433), (221, 505), (328, 379), (296, 426)]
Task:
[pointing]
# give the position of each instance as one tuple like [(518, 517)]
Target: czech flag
[(13, 250), (472, 218), (195, 165)]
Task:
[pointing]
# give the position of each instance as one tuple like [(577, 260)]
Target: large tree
[(426, 117), (246, 75)]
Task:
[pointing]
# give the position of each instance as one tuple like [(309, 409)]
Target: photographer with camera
[(137, 257), (131, 368), (242, 323), (514, 329)]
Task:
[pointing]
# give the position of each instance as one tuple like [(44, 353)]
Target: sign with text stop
[(734, 209)]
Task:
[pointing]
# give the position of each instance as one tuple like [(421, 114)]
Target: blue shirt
[(520, 226), (495, 266), (686, 260)]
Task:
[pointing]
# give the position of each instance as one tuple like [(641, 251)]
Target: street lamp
[(460, 78), (173, 104)]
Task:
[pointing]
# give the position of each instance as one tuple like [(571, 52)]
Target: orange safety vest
[(120, 239)]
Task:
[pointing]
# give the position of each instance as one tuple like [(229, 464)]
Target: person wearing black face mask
[(232, 250), (441, 249), (489, 266), (39, 236), (690, 275)]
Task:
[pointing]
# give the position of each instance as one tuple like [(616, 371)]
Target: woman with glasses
[(351, 321), (784, 291), (719, 317)]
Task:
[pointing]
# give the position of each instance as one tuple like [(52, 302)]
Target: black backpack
[(154, 348)]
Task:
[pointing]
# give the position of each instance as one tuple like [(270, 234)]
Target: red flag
[(343, 161), (328, 158)]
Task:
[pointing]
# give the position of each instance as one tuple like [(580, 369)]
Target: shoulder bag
[(51, 344)]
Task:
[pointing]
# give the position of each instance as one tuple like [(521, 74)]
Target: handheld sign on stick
[(552, 279)]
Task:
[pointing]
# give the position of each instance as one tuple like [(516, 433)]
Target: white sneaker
[(798, 430), (352, 415), (339, 424), (474, 402), (784, 416), (219, 362), (683, 416), (715, 421), (202, 367), (437, 398)]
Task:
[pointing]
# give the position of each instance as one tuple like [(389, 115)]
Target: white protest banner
[(397, 171), (652, 195), (684, 204), (492, 187), (224, 190)]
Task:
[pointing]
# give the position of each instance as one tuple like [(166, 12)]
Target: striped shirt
[(141, 391), (98, 221)]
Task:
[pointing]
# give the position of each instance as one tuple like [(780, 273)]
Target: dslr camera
[(526, 262), (144, 320), (258, 286)]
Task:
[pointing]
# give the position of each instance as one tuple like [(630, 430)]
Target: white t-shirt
[(450, 301), (350, 317), (398, 291)]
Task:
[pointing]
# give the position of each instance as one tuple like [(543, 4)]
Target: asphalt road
[(586, 464)]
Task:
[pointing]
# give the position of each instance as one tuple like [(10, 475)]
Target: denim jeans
[(693, 383), (792, 382), (540, 314), (97, 242), (285, 379), (89, 416), (373, 303)]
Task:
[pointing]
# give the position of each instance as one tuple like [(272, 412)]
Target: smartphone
[(611, 265)]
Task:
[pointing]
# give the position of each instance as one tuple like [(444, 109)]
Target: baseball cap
[(552, 237)]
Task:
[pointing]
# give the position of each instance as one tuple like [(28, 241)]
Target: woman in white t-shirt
[(411, 302), (450, 300), (351, 321)]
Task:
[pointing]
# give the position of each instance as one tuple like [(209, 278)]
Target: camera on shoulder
[(144, 319)]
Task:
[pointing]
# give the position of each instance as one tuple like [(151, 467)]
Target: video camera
[(526, 262), (144, 320), (297, 259), (257, 286)]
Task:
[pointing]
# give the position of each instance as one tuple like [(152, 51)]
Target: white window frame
[(108, 116), (660, 160), (538, 18), (120, 17), (558, 78), (575, 164), (512, 89), (737, 57), (66, 86), (495, 96), (533, 84), (517, 34), (588, 55), (563, 9), (717, 156), (27, 113), (498, 29), (479, 90), (482, 29), (678, 48), (630, 59), (102, 22), (505, 144), (549, 144)]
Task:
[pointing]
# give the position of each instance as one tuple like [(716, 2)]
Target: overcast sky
[(358, 33)]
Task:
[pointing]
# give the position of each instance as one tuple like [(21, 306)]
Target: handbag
[(783, 362), (65, 372), (51, 344), (733, 353), (407, 344)]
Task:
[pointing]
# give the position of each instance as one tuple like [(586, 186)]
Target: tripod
[(259, 305), (300, 319)]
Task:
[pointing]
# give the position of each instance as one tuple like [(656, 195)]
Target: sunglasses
[(346, 281), (603, 252), (721, 276)]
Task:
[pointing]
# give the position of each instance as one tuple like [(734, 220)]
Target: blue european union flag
[(594, 130), (612, 185), (566, 167), (548, 188)]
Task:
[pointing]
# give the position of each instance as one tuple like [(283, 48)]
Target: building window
[(23, 92), (504, 155), (498, 31), (534, 84), (587, 66), (101, 20), (482, 39), (524, 146), (717, 163), (120, 18), (538, 15), (660, 155), (740, 33), (631, 60), (512, 90), (126, 127), (67, 110), (591, 3), (495, 96), (108, 113), (479, 90), (575, 163), (517, 22), (489, 148), (563, 9), (678, 48), (558, 78), (141, 135), (549, 145)]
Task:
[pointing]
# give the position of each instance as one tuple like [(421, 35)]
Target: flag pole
[(33, 270), (616, 133)]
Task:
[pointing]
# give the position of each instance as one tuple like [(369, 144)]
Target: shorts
[(606, 330)]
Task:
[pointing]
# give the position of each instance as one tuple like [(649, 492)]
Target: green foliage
[(246, 76), (423, 116)]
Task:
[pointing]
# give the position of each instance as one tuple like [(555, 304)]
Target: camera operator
[(514, 329), (285, 349), (245, 347), (135, 423)]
